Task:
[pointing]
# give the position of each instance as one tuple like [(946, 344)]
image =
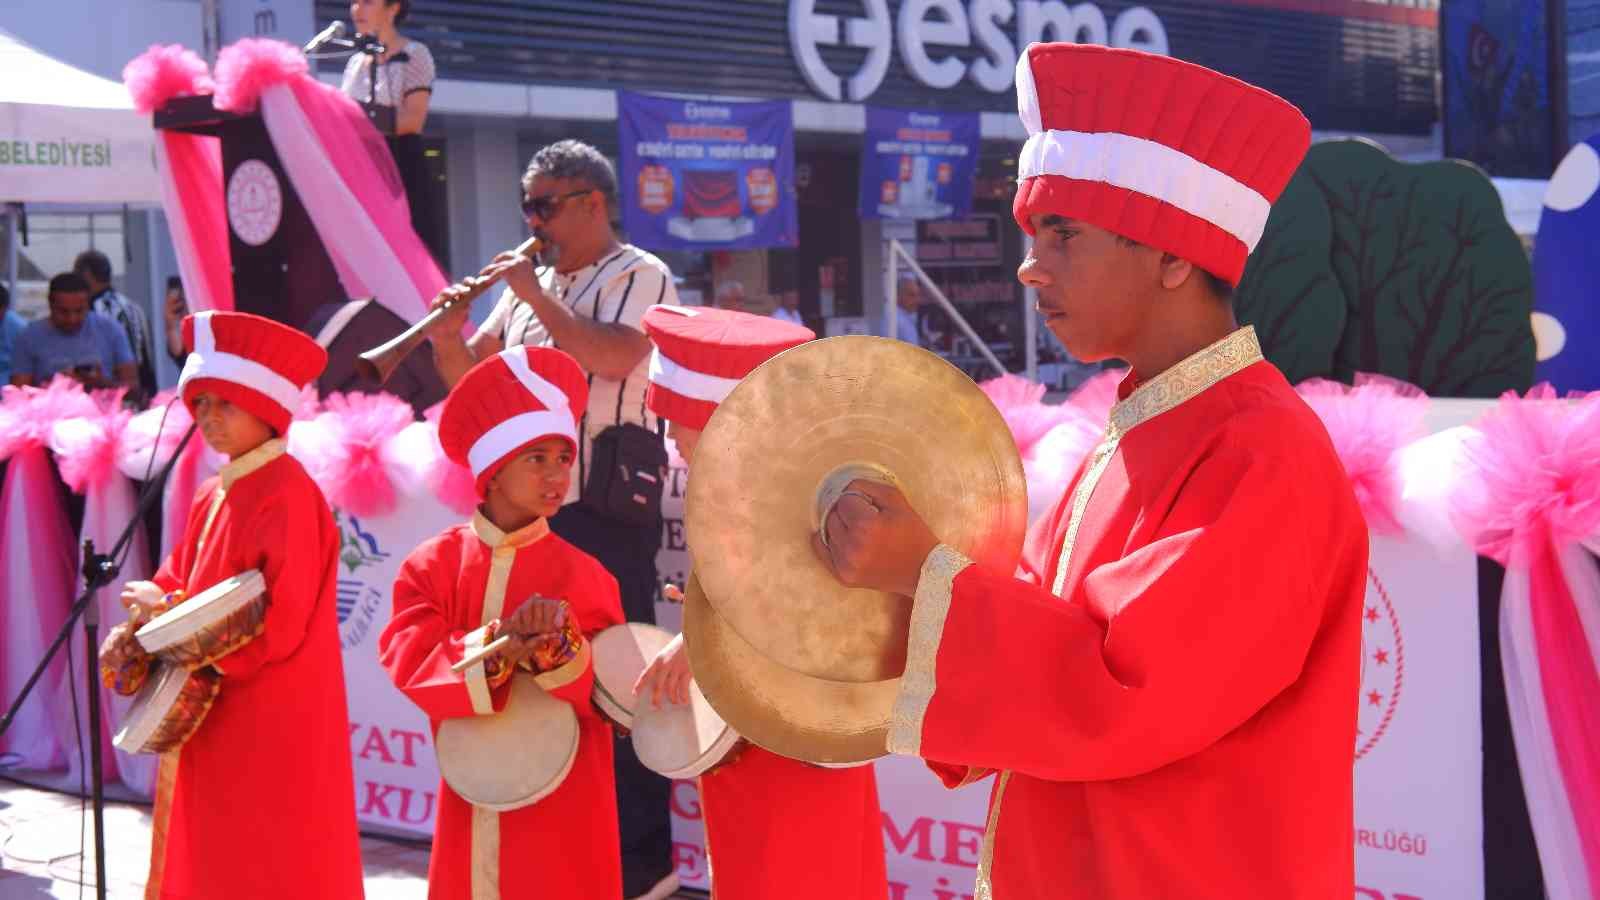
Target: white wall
[(101, 36)]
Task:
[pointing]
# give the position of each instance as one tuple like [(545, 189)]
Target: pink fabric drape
[(341, 169), (1530, 499)]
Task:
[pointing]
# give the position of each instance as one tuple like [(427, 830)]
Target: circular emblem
[(255, 202), (1383, 665)]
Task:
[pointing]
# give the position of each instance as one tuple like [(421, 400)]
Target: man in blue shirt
[(11, 326), (75, 341)]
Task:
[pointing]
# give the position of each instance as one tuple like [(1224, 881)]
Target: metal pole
[(13, 237), (891, 274), (1030, 320), (949, 308)]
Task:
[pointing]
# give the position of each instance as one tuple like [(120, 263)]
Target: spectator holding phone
[(174, 309), (76, 341)]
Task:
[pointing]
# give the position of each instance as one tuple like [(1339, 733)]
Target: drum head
[(201, 611), (513, 758), (621, 653), (681, 740), (170, 706), (779, 709)]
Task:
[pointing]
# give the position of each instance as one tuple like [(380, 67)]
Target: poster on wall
[(707, 176), (1497, 113), (918, 165)]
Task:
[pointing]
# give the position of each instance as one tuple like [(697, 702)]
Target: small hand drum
[(513, 758), (209, 625), (168, 709), (621, 654), (681, 740)]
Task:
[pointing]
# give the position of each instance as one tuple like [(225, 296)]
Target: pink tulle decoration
[(1097, 395), (27, 414), (1021, 404), (141, 450), (310, 403), (346, 450), (87, 447), (250, 66), (163, 72), (1369, 423), (1532, 475)]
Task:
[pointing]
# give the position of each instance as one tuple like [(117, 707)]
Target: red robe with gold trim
[(260, 802), (565, 845), (1173, 712), (778, 829)]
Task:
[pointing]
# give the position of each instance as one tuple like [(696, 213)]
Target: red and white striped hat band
[(504, 438), (1161, 151), (701, 355), (206, 361)]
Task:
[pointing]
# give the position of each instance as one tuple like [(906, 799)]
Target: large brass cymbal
[(791, 714), (799, 424)]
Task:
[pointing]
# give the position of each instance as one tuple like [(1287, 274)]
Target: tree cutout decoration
[(1288, 291), (1439, 288), (1435, 286)]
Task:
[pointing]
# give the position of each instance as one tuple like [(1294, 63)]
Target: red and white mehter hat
[(702, 353), (250, 361), (1164, 152), (508, 401)]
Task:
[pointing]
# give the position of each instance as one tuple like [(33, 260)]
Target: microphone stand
[(99, 570)]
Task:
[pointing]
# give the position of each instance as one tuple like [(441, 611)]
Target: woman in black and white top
[(404, 82), (405, 70)]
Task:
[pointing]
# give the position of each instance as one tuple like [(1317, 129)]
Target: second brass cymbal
[(779, 709), (801, 425)]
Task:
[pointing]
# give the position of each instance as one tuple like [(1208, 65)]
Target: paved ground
[(39, 858)]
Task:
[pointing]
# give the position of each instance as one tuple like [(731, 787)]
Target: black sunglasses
[(546, 207)]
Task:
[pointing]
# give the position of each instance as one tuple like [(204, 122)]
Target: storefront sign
[(707, 176), (918, 165), (926, 31)]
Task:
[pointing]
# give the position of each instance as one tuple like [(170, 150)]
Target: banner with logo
[(707, 176), (918, 165), (396, 773), (1419, 758)]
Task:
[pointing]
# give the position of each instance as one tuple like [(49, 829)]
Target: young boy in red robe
[(512, 419), (1171, 712), (776, 828), (260, 801)]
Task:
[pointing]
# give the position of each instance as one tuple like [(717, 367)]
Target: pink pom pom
[(147, 442), (1369, 423), (87, 447), (1021, 404), (163, 72), (27, 414), (343, 449), (247, 68), (1097, 395), (1530, 477)]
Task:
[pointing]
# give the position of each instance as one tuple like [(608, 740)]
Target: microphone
[(332, 32)]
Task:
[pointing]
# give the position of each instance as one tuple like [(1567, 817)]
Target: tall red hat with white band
[(510, 400), (252, 362), (702, 353), (1164, 152)]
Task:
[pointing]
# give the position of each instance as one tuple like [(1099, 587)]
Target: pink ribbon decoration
[(87, 450), (1529, 497), (38, 565), (341, 168), (1369, 423), (190, 167)]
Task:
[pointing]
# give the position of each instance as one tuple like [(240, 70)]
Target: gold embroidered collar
[(1188, 379), (490, 533), (250, 462)]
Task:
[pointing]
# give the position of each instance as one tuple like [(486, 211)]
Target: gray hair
[(575, 161)]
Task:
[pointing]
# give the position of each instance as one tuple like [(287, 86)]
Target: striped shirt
[(617, 289)]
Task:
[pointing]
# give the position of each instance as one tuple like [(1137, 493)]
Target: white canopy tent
[(67, 136)]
